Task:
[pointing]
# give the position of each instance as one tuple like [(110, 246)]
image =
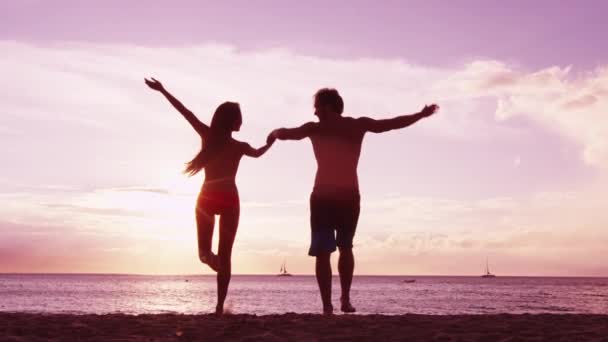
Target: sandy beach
[(304, 327)]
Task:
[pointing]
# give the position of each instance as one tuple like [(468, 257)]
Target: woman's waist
[(218, 195), (219, 184), (219, 188)]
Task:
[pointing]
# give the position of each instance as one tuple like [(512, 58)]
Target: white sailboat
[(488, 274), (283, 272)]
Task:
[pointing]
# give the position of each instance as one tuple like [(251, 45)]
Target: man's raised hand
[(154, 84), (429, 110)]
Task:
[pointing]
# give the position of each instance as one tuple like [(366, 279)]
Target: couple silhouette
[(334, 201)]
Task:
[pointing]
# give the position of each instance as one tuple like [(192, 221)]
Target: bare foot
[(211, 260), (328, 310), (346, 306)]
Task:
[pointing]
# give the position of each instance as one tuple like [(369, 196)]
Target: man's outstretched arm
[(297, 133), (198, 126), (384, 125)]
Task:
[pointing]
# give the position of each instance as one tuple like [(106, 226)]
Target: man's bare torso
[(337, 147)]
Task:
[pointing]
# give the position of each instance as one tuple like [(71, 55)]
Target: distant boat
[(283, 272), (488, 274), (408, 281)]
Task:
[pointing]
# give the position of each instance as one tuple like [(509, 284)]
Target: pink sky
[(513, 168)]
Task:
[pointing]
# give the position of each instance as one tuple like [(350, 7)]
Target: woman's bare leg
[(229, 223), (204, 226)]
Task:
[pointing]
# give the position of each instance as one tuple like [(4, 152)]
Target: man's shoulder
[(356, 122), (358, 118), (310, 126)]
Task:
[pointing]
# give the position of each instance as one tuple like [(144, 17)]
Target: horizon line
[(302, 275)]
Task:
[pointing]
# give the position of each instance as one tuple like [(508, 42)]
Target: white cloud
[(575, 105)]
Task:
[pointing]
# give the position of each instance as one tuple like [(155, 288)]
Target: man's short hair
[(330, 97)]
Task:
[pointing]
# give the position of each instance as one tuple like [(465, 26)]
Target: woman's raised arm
[(198, 126)]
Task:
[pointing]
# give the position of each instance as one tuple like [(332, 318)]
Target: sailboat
[(488, 274), (283, 272)]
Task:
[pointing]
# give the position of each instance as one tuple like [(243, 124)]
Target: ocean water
[(136, 294)]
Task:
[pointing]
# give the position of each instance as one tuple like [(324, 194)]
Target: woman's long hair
[(222, 124)]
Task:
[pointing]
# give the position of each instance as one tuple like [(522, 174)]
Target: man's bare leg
[(346, 268), (323, 273)]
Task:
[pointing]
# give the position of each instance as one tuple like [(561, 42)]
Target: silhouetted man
[(334, 202)]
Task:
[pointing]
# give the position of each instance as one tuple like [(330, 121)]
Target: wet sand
[(303, 327)]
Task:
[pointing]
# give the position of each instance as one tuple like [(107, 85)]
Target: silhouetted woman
[(219, 156)]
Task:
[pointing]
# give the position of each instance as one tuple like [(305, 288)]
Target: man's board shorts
[(333, 220)]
